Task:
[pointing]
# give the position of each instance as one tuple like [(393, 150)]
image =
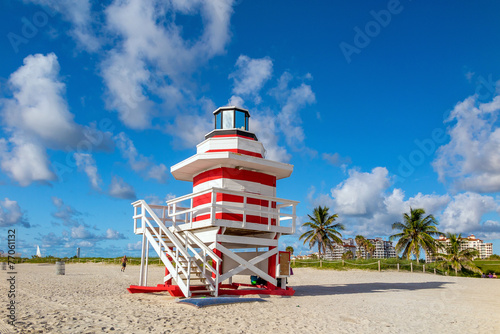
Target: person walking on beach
[(124, 262)]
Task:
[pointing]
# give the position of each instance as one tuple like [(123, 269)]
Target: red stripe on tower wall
[(206, 198), (236, 217), (235, 174)]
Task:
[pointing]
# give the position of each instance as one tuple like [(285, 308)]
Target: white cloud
[(80, 232), (250, 76), (336, 159), (362, 193), (264, 126), (366, 206), (113, 235), (471, 160), (190, 130), (137, 161), (134, 246), (11, 214), (158, 173), (465, 212), (147, 37), (78, 13), (237, 101), (120, 189), (364, 202), (320, 199), (292, 101), (38, 107), (24, 160), (66, 213), (86, 162), (155, 200), (37, 117)]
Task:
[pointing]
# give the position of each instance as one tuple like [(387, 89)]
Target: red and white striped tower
[(233, 209)]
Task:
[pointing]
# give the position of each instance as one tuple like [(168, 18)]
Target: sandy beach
[(93, 298)]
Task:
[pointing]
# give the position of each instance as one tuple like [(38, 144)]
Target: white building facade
[(485, 249), (383, 250)]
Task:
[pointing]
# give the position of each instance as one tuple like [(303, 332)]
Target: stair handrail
[(164, 229), (202, 245), (184, 286), (192, 238)]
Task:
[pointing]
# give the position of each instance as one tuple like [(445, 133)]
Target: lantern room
[(231, 118)]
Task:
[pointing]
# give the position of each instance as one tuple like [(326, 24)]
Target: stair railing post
[(204, 261), (191, 213), (217, 278), (378, 265), (411, 266), (177, 266), (270, 214), (141, 273), (174, 217), (146, 266), (213, 199), (188, 278)]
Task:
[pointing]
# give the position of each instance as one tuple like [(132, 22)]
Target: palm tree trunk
[(456, 271)]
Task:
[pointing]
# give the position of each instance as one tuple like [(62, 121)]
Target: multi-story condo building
[(485, 249), (383, 249), (339, 250)]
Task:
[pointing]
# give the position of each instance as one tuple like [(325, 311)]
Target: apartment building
[(485, 249), (339, 250), (383, 249)]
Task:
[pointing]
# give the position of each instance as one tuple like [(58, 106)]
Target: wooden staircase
[(188, 260)]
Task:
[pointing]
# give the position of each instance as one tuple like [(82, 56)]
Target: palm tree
[(347, 255), (365, 244), (360, 241), (417, 232), (323, 229), (456, 257), (289, 249), (369, 248)]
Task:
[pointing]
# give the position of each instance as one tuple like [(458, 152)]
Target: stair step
[(201, 291)]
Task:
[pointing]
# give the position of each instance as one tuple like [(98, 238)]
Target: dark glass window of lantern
[(218, 121), (240, 120)]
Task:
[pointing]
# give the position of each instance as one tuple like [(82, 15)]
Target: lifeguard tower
[(229, 225)]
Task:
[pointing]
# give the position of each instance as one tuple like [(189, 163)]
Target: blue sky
[(379, 105)]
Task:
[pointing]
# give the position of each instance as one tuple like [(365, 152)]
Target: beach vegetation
[(323, 231), (456, 257), (365, 244), (417, 232), (347, 255), (289, 249)]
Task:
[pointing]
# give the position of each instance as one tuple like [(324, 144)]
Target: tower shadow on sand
[(356, 288)]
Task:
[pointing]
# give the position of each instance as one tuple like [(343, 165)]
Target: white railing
[(178, 215), (174, 248)]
